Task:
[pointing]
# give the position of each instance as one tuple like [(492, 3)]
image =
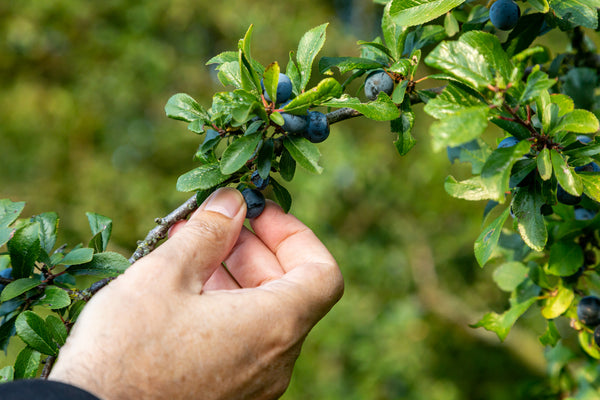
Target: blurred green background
[(82, 128)]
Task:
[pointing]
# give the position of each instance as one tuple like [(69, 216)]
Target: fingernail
[(226, 201)]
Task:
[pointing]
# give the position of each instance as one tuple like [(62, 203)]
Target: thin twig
[(48, 367)]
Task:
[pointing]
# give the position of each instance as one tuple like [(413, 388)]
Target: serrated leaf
[(381, 109), (18, 287), (48, 225), (224, 57), (78, 256), (270, 80), (27, 363), (265, 155), (239, 152), (287, 165), (293, 73), (103, 264), (327, 89), (417, 12), (304, 152), (537, 82), (558, 303), (5, 235), (488, 239), (54, 298), (526, 206), (502, 323), (378, 46), (588, 344), (544, 165), (566, 257), (453, 99), (551, 336), (101, 228), (510, 275), (57, 328), (183, 107), (460, 127), (470, 189), (7, 330), (577, 121), (475, 152), (32, 329), (403, 127), (577, 12), (204, 177), (566, 177), (24, 249), (308, 48), (591, 184), (282, 195), (9, 211)]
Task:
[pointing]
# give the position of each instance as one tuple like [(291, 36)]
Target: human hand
[(178, 325)]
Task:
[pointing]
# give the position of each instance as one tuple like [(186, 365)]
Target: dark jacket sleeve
[(34, 389)]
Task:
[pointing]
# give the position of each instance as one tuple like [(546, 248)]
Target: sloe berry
[(566, 198), (284, 89), (318, 127), (378, 81), (504, 14), (259, 182), (588, 310), (255, 202), (508, 142)]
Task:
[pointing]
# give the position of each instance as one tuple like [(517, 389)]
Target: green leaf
[(7, 330), (453, 99), (502, 323), (224, 57), (18, 287), (78, 256), (54, 298), (475, 152), (381, 109), (293, 73), (417, 12), (5, 235), (530, 221), (540, 5), (577, 121), (403, 127), (472, 189), (510, 275), (377, 46), (282, 195), (523, 35), (327, 89), (7, 374), (32, 329), (537, 82), (277, 118), (103, 264), (346, 64), (591, 184), (183, 107), (487, 241), (265, 155), (101, 228), (451, 24), (9, 211), (551, 336), (270, 80), (566, 257), (304, 152), (460, 127), (239, 152), (568, 179), (475, 59), (308, 48), (204, 177), (558, 303), (588, 344), (287, 165), (57, 328), (27, 363), (48, 226), (577, 12), (544, 165), (24, 249)]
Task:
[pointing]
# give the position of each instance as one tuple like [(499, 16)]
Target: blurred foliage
[(82, 91)]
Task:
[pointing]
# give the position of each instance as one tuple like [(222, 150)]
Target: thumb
[(196, 250)]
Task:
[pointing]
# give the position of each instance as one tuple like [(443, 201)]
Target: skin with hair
[(178, 324)]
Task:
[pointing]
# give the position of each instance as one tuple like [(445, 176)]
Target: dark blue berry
[(584, 139), (5, 273), (284, 89), (255, 202), (583, 214), (318, 127), (508, 142), (504, 14), (566, 198), (591, 167), (378, 81), (588, 310), (259, 182)]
